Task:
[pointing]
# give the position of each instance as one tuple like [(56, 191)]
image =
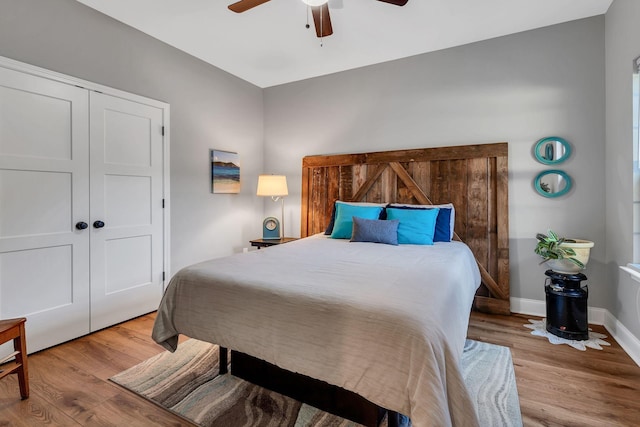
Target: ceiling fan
[(319, 10)]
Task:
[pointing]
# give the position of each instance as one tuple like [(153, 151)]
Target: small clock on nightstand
[(271, 228)]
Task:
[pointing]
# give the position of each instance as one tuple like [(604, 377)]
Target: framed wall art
[(225, 172)]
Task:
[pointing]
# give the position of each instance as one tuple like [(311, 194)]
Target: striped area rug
[(186, 383)]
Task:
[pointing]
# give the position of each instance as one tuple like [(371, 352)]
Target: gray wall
[(209, 109), (518, 88), (622, 47)]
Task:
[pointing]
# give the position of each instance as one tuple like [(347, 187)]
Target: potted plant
[(563, 255)]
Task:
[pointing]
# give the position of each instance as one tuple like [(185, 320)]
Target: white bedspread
[(387, 322)]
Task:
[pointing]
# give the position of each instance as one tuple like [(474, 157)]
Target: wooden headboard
[(472, 177)]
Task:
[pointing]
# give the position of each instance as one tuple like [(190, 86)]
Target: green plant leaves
[(550, 247)]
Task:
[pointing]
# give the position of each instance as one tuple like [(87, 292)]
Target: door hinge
[(163, 276), (162, 203), (162, 130)]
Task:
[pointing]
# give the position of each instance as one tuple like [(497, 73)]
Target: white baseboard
[(629, 342), (597, 316), (531, 307)]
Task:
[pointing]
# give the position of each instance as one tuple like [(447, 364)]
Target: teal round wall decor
[(552, 183), (552, 150)]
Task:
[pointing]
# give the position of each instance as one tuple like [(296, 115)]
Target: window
[(636, 161)]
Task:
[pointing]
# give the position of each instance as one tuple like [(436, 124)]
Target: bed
[(383, 322)]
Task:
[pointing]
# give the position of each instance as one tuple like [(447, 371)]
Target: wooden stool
[(13, 329)]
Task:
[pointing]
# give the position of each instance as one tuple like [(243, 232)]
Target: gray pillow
[(375, 231)]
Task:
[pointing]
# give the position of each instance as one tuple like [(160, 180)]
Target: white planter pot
[(582, 249)]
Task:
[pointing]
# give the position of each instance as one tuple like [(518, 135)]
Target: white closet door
[(126, 195), (44, 187)]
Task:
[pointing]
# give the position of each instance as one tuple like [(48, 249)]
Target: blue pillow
[(444, 224), (417, 226), (332, 220), (375, 231), (443, 227), (344, 218)]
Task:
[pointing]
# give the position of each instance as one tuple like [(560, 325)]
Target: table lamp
[(274, 186)]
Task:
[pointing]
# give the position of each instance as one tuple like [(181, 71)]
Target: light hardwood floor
[(557, 385)]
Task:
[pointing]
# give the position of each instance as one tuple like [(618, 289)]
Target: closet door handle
[(82, 225), (98, 224)]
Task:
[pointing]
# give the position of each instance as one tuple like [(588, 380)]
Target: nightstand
[(265, 243)]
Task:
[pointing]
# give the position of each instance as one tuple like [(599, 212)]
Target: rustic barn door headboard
[(472, 177)]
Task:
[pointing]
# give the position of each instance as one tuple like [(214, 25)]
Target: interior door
[(44, 187), (126, 209)]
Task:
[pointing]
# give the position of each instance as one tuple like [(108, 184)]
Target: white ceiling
[(269, 44)]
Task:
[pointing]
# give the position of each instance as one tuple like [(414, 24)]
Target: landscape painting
[(225, 172)]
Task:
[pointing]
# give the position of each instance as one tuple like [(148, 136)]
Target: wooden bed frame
[(473, 177)]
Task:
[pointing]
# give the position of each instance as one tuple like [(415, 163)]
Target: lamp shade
[(272, 185)]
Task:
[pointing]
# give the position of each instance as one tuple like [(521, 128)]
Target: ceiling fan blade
[(322, 20), (396, 2), (244, 5)]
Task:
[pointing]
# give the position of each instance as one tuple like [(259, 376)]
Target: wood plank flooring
[(561, 386), (557, 385)]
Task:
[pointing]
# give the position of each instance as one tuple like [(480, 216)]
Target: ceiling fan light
[(314, 2)]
